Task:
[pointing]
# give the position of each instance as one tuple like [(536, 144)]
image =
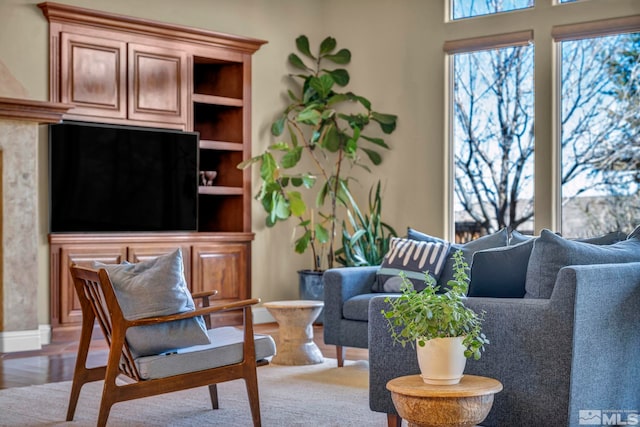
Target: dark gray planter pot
[(312, 288)]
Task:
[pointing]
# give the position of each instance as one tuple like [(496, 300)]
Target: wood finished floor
[(56, 361)]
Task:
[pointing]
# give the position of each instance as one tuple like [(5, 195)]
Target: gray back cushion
[(500, 272), (495, 240), (552, 252), (156, 287)]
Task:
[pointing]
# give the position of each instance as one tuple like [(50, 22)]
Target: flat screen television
[(108, 178)]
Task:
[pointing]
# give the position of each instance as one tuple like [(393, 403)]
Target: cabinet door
[(224, 268), (157, 84), (93, 75), (70, 312), (144, 251)]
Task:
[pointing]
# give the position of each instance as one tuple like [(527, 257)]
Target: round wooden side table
[(295, 345), (464, 404)]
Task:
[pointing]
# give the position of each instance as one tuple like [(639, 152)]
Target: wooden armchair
[(98, 300)]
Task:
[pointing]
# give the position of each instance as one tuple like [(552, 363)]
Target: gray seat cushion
[(357, 308), (225, 349)]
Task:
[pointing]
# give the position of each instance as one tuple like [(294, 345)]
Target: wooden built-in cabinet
[(212, 261), (123, 70)]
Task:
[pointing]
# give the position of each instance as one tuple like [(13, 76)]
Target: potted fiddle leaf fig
[(445, 330), (321, 136)]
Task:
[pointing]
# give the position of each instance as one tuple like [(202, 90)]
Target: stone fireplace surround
[(19, 122)]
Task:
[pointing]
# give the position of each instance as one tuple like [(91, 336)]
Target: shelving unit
[(132, 71), (220, 112)]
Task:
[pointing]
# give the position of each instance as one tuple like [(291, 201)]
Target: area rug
[(313, 395)]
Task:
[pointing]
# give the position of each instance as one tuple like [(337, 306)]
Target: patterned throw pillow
[(413, 258), (495, 240)]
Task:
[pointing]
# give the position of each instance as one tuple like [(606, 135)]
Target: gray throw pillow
[(156, 287), (495, 240), (500, 272), (516, 237), (605, 239), (412, 258), (552, 252)]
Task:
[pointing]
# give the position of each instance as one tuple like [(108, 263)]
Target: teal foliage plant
[(424, 315), (366, 238), (325, 131)]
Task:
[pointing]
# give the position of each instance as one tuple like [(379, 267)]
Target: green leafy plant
[(326, 132), (366, 239), (424, 315)]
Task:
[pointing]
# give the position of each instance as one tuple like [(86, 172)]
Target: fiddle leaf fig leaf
[(297, 205), (322, 234), (292, 96), (291, 158), (343, 56), (292, 134), (340, 76), (281, 207), (331, 140), (374, 156), (322, 85), (308, 181), (279, 146), (364, 101), (337, 98), (377, 141), (309, 116), (387, 121), (302, 43), (302, 243), (278, 126), (245, 164), (327, 46), (295, 61), (268, 168)]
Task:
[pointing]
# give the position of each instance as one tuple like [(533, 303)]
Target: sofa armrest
[(340, 284), (606, 340)]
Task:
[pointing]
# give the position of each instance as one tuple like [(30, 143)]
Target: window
[(493, 139), (469, 8), (586, 140), (600, 134)]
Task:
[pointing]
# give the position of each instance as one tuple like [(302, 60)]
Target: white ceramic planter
[(442, 360)]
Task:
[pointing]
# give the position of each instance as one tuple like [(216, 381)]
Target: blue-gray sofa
[(571, 343)]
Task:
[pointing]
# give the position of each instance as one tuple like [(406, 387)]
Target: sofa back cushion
[(551, 252), (500, 272)]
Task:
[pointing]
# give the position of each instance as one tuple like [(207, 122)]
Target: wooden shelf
[(220, 145), (199, 98), (216, 190)]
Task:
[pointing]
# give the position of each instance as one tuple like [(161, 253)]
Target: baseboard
[(12, 341), (262, 315), (45, 334)]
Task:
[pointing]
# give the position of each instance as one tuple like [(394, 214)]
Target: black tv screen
[(121, 179)]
